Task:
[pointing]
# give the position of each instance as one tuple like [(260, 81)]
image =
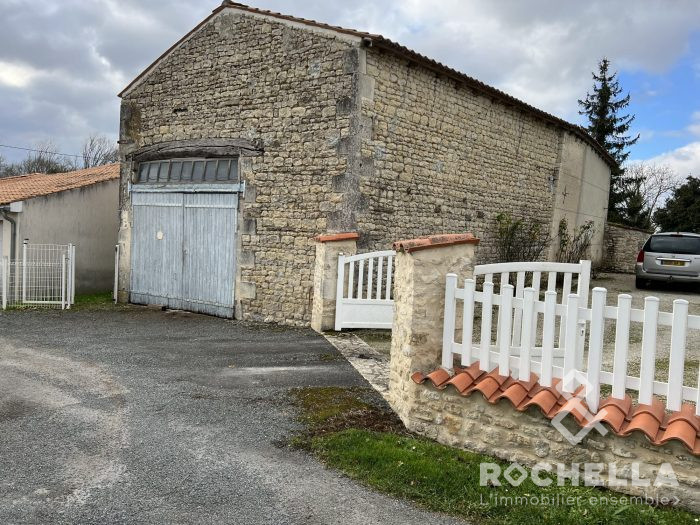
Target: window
[(174, 171), (678, 244)]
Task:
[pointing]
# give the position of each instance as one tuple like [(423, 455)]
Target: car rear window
[(675, 244)]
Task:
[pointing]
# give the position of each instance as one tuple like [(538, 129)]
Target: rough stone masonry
[(353, 135)]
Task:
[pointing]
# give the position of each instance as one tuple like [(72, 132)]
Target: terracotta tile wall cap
[(655, 410), (687, 414), (620, 415), (623, 405), (434, 241), (682, 431), (332, 237), (643, 422)]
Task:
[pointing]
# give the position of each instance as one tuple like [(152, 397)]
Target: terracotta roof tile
[(434, 241), (22, 187), (620, 415), (331, 237)]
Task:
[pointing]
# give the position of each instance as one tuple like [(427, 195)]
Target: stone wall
[(249, 76), (622, 244), (443, 157), (354, 139), (499, 430)]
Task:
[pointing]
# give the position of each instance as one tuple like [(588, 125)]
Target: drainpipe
[(13, 224)]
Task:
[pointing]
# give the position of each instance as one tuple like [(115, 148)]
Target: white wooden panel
[(569, 383), (505, 320), (468, 322), (622, 337), (548, 324), (527, 318), (595, 349), (676, 364), (448, 325), (486, 313), (648, 359)]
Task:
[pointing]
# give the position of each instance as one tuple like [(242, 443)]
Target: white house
[(78, 207)]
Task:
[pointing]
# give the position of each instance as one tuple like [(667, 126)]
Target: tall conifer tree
[(610, 129)]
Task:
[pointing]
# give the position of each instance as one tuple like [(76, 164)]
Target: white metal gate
[(183, 250), (364, 294), (43, 276)]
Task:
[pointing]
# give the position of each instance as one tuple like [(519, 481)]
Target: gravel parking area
[(133, 415)]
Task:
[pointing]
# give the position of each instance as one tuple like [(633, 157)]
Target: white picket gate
[(520, 361), (364, 294), (43, 276)]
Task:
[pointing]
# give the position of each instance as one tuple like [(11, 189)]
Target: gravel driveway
[(141, 416)]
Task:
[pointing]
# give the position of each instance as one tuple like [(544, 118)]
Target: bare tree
[(656, 182), (99, 150), (45, 159)]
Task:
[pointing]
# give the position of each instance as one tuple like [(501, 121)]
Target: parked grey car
[(669, 257)]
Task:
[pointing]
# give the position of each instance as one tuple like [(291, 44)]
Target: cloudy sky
[(62, 62)]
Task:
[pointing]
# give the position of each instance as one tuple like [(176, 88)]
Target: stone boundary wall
[(622, 244), (499, 430)]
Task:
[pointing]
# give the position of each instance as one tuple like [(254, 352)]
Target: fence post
[(448, 325), (24, 269), (63, 281), (5, 269), (339, 289), (486, 323), (622, 343), (648, 363), (505, 329), (116, 274), (526, 339), (328, 248), (676, 362), (72, 276), (548, 326), (570, 343), (595, 348), (468, 322)]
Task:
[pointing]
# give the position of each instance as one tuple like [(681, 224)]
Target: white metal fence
[(519, 360), (43, 276), (364, 294)]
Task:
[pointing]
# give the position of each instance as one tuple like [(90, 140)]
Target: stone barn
[(258, 131)]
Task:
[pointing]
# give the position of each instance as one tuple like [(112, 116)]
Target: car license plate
[(672, 263)]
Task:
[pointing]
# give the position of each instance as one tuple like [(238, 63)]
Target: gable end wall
[(249, 76)]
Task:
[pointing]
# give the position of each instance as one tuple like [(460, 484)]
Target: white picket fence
[(520, 360), (43, 276), (364, 293)]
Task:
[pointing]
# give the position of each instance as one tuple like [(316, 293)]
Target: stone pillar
[(328, 247), (419, 295)]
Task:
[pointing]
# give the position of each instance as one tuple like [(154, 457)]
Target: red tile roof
[(434, 241), (378, 41), (620, 415), (22, 187)]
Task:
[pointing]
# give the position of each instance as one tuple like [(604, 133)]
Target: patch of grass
[(446, 479), (351, 430), (98, 300)]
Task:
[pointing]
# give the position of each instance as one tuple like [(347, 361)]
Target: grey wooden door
[(183, 251)]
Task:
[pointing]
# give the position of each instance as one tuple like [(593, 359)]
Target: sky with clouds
[(62, 62)]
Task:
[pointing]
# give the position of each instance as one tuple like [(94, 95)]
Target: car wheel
[(640, 284)]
